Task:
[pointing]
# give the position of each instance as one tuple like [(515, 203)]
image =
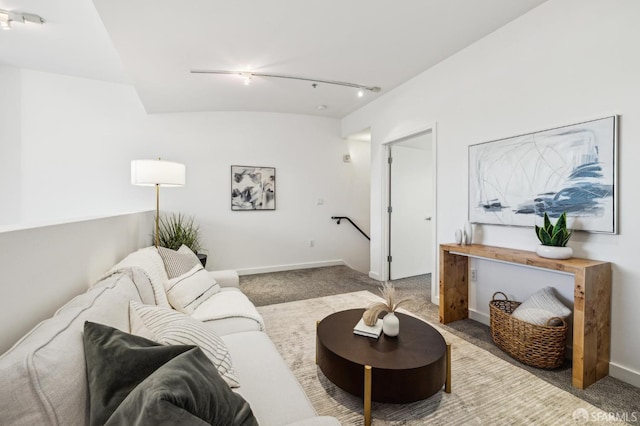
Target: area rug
[(485, 389)]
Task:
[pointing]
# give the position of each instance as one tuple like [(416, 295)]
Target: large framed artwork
[(571, 169), (253, 188)]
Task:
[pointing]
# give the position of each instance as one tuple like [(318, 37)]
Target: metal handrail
[(339, 218)]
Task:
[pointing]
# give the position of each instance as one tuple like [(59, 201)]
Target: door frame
[(385, 188)]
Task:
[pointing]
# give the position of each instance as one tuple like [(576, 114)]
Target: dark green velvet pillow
[(135, 381)]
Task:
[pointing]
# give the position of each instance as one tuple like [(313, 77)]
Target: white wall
[(78, 137), (307, 154), (44, 267), (10, 144), (358, 192), (563, 62)]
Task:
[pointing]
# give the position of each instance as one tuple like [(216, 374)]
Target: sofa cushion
[(540, 307), (268, 384), (174, 328), (189, 283), (135, 381), (48, 383)]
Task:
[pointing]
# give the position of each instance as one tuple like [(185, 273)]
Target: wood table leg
[(447, 383), (454, 287), (591, 325), (367, 395)]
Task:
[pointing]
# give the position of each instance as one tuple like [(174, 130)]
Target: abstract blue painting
[(571, 169)]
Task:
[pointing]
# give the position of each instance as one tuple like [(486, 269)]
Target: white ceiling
[(155, 43)]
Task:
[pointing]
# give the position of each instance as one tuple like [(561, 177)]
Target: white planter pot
[(552, 252), (391, 325)]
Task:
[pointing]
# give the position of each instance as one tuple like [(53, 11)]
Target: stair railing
[(339, 218)]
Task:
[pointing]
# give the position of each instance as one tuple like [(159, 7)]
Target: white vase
[(553, 252), (468, 230), (458, 236), (390, 325)]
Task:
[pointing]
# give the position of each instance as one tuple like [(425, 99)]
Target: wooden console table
[(591, 309)]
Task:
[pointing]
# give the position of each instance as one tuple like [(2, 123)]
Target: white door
[(412, 207)]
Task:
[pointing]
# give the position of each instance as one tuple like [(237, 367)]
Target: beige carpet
[(485, 389)]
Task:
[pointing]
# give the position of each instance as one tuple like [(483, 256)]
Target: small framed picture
[(253, 188)]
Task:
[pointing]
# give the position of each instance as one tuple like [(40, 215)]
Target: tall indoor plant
[(554, 238)]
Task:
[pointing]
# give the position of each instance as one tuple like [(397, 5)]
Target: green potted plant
[(176, 230), (554, 238)]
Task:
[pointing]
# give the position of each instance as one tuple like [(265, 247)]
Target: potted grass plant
[(176, 230), (390, 322), (554, 238)]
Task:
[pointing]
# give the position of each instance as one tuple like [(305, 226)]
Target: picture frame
[(572, 169), (253, 188)]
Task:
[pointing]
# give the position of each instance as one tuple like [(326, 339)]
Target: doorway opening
[(411, 206)]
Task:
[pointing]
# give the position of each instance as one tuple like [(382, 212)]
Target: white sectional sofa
[(44, 379)]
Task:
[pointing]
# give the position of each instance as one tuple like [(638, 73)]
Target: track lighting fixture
[(7, 17), (248, 75)]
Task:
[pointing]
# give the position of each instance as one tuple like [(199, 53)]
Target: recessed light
[(321, 107)]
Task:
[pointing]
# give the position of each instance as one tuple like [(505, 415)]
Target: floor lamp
[(157, 173)]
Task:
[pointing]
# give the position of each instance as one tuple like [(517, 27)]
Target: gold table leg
[(367, 395), (447, 383)]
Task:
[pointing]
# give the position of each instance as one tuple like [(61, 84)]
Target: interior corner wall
[(79, 136), (358, 190), (10, 155), (561, 63)]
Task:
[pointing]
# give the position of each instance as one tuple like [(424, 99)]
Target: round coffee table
[(406, 368)]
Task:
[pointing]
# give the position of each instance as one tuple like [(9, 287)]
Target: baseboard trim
[(290, 267), (624, 374), (481, 317), (374, 276)]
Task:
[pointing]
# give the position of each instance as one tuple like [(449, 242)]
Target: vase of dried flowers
[(390, 322), (391, 325)]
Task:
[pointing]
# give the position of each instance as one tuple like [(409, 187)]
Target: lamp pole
[(157, 214)]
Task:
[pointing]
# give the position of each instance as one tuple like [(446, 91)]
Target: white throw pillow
[(189, 283), (169, 327), (178, 262), (540, 307)]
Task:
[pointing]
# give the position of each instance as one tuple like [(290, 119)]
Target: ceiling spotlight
[(321, 107), (8, 16), (361, 88), (247, 78)]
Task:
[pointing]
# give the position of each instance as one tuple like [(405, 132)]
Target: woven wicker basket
[(535, 345)]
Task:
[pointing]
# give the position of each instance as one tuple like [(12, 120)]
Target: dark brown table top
[(417, 345)]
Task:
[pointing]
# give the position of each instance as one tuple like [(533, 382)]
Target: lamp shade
[(157, 172)]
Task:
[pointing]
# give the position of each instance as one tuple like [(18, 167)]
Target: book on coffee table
[(372, 331)]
